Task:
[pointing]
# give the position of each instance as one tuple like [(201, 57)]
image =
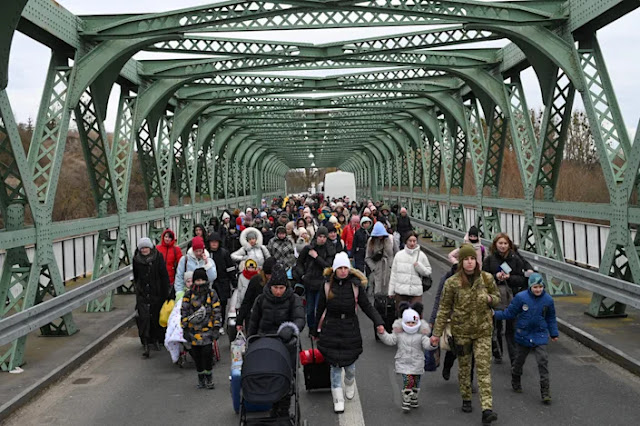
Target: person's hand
[(434, 340), (426, 331), (415, 264), (554, 339), (380, 329), (238, 328), (505, 276), (489, 299), (313, 253)]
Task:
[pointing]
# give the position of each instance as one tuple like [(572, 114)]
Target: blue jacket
[(536, 318)]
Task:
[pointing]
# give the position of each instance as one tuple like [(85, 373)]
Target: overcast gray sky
[(620, 43)]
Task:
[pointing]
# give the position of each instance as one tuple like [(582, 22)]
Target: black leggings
[(203, 357)]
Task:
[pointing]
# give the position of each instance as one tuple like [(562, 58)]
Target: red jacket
[(347, 236), (171, 254)]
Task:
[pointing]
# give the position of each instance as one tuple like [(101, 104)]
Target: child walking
[(536, 322), (201, 320), (411, 335)]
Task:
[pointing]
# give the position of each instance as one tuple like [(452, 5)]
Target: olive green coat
[(467, 307)]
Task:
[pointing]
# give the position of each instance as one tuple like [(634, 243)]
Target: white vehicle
[(340, 184)]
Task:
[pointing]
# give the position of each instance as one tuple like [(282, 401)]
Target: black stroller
[(269, 376)]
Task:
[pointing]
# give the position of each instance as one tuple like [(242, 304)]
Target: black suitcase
[(386, 307), (316, 375)]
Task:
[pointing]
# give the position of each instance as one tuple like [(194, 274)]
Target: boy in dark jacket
[(226, 269), (536, 315)]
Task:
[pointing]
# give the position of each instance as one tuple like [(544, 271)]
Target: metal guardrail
[(23, 323), (614, 288)]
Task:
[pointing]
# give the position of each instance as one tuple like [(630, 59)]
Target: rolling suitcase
[(386, 307), (315, 369)]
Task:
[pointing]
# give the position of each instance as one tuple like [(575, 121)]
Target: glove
[(313, 332), (216, 333), (286, 334)]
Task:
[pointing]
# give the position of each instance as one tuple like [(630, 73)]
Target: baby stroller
[(269, 375)]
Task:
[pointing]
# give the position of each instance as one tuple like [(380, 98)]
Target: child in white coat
[(411, 335)]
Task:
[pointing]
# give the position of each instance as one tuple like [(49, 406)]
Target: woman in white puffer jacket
[(409, 266)]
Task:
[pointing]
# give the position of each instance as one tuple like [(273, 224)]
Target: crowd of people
[(306, 261)]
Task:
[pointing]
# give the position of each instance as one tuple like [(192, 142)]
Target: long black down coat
[(340, 340), (269, 312)]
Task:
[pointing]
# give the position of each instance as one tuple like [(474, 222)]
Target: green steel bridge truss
[(223, 127)]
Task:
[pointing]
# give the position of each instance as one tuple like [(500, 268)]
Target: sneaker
[(488, 417), (201, 381), (546, 396), (466, 406), (208, 381), (222, 331)]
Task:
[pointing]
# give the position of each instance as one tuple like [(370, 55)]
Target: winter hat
[(473, 231), (248, 210), (364, 219), (250, 262), (197, 243), (252, 234), (331, 228), (466, 250), (341, 259), (366, 211), (322, 231), (379, 230), (535, 279), (214, 236), (225, 215), (278, 277), (188, 275), (200, 274), (263, 214), (281, 229), (242, 215), (333, 219), (269, 264), (145, 242), (407, 316)]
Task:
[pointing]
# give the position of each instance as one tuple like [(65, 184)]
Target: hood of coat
[(165, 232), (193, 256), (328, 272), (245, 242)]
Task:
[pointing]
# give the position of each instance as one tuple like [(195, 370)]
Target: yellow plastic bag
[(165, 311)]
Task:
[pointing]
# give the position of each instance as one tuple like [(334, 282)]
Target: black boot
[(515, 383), (488, 417), (145, 354), (446, 372), (546, 395), (466, 406), (208, 380), (201, 381)]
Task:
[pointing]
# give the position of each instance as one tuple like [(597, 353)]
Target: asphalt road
[(119, 387)]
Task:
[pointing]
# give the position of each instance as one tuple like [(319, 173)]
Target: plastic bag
[(165, 311), (238, 347)]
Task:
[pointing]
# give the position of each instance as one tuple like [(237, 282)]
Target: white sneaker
[(221, 331), (349, 389), (338, 400)]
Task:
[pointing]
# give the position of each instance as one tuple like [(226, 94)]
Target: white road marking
[(352, 415)]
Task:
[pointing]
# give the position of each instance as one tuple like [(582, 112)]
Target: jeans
[(312, 306), (336, 375)]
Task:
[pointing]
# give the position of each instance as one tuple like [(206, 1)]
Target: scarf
[(249, 274)]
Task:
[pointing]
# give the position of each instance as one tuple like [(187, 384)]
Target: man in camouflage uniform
[(467, 299)]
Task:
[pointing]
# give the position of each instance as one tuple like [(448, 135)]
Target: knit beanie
[(466, 250), (364, 219), (197, 243), (281, 230), (268, 265), (322, 231), (331, 227), (333, 219), (225, 215), (341, 259), (473, 231), (278, 277), (145, 242), (188, 276), (200, 274), (535, 279), (407, 316)]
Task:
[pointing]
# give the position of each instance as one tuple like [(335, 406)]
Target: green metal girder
[(8, 23)]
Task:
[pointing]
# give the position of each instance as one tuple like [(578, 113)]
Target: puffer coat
[(406, 279), (380, 269), (202, 333), (269, 312), (536, 318), (467, 306), (309, 270), (340, 340), (410, 354), (258, 252), (171, 254)]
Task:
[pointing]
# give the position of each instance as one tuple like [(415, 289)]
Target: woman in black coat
[(338, 328), (359, 247), (509, 282), (151, 283)]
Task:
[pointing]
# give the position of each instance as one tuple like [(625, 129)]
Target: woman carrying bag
[(410, 266)]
